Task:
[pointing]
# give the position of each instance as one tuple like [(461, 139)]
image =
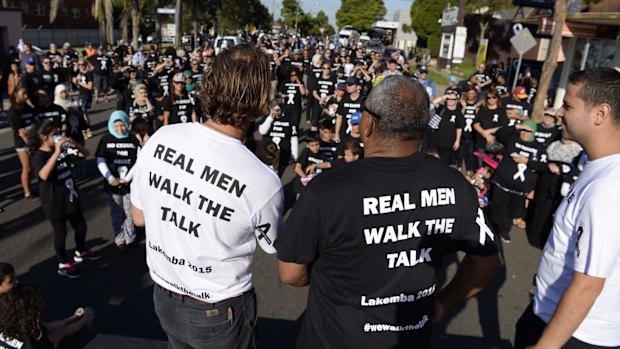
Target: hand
[(310, 168), (58, 145), (555, 169), (489, 138), (456, 145), (115, 182), (519, 159), (123, 181), (337, 138)]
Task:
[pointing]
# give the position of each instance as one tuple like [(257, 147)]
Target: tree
[(425, 16), (360, 14), (54, 7), (551, 63), (236, 14), (103, 11), (486, 9)]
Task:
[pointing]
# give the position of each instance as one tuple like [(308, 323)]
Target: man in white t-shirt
[(576, 304), (203, 197)]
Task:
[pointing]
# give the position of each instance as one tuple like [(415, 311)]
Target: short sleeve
[(301, 234), (475, 235), (268, 222), (135, 191), (167, 104), (597, 247)]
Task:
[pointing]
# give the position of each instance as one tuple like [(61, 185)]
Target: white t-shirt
[(204, 196), (586, 238)]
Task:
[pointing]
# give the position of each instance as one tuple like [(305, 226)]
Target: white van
[(224, 42), (346, 35)]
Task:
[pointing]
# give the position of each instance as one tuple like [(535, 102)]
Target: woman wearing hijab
[(116, 154)]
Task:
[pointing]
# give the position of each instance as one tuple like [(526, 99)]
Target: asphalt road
[(120, 290)]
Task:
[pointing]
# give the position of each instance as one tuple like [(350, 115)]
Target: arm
[(299, 170), (294, 274), (194, 116), (105, 172), (294, 148), (487, 134), (572, 309), (338, 126), (264, 127), (137, 215), (474, 273), (166, 117), (457, 142)]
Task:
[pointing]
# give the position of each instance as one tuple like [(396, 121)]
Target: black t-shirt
[(489, 118), (531, 94), (164, 80), (84, 78), (281, 132), (375, 260), (291, 96), (180, 108), (482, 77), (49, 80), (120, 155), (306, 158), (32, 81), (102, 64), (346, 108), (59, 196), (469, 116), (141, 111), (547, 135), (324, 87), (521, 106), (54, 113), (445, 135), (55, 57), (28, 343), (519, 177), (22, 119), (329, 150), (501, 89)]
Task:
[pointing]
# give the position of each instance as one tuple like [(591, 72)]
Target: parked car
[(224, 42)]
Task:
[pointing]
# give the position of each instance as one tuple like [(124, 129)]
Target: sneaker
[(31, 197), (68, 270), (89, 255)]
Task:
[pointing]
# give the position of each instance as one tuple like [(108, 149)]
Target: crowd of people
[(180, 155)]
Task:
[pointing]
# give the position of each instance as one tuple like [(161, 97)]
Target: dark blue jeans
[(192, 324)]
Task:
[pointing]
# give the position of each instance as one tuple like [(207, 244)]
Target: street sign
[(523, 41), (166, 11)]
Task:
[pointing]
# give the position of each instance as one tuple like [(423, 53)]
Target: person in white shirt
[(578, 278), (203, 197)]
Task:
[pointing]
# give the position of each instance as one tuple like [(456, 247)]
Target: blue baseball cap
[(454, 79), (356, 118)]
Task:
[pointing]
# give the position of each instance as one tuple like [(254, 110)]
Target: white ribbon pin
[(520, 172)]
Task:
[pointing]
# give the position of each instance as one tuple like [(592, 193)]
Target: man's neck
[(603, 145), (392, 149), (228, 130)]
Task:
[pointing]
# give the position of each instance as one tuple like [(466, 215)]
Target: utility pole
[(296, 14), (273, 14), (178, 21)]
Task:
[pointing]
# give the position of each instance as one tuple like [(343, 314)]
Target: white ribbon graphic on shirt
[(122, 171), (484, 229), (495, 118), (291, 97), (72, 192), (104, 65), (520, 172), (165, 90), (453, 118), (277, 141), (468, 123)]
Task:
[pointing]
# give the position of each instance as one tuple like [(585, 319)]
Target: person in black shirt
[(516, 174), (21, 117), (517, 109), (370, 237), (351, 103), (279, 129), (321, 89), (179, 107), (102, 66), (50, 77), (490, 117), (51, 161), (547, 131), (309, 155), (46, 110), (465, 153), (354, 136), (291, 91), (31, 79), (116, 154), (446, 138), (84, 81)]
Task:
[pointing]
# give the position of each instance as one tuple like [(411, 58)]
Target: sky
[(331, 6)]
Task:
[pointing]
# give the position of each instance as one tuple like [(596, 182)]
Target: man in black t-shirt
[(102, 66), (180, 106), (373, 261), (278, 128), (446, 138)]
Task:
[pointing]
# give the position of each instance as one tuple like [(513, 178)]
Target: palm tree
[(54, 7), (103, 12)]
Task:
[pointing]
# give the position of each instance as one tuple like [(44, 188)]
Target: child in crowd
[(51, 160), (482, 178), (7, 277), (352, 152), (269, 154), (21, 323), (310, 155), (328, 147), (117, 152)]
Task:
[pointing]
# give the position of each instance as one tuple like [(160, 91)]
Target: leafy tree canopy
[(360, 14)]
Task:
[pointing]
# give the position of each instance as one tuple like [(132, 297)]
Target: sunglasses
[(451, 99), (526, 131), (491, 97), (44, 62)]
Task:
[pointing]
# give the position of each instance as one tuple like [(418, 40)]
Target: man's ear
[(367, 126), (602, 113)]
